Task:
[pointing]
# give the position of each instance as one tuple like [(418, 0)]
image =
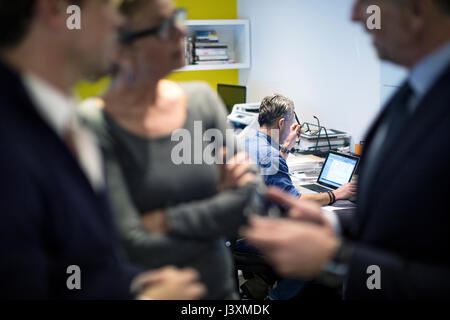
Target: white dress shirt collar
[(425, 74), (57, 109)]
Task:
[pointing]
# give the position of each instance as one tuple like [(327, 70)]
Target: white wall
[(392, 77), (310, 51)]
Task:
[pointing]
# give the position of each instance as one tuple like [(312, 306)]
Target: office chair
[(253, 266)]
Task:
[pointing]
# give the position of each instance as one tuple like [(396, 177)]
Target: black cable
[(318, 138)]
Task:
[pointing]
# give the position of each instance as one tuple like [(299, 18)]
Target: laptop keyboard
[(316, 188)]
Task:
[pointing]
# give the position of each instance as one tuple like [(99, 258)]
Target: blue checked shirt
[(273, 167)]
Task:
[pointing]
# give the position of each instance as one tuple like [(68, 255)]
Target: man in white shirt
[(54, 211)]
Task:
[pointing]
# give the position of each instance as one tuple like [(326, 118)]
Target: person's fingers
[(222, 156), (247, 178), (281, 197), (155, 276), (240, 170), (263, 223), (173, 290), (194, 292), (279, 259), (238, 175), (260, 229), (265, 232), (306, 216), (298, 208), (239, 158), (188, 275)]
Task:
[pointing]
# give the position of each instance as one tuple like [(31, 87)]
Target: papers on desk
[(328, 138), (308, 163), (340, 205), (301, 178)]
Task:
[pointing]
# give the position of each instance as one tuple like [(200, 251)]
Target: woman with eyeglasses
[(168, 213)]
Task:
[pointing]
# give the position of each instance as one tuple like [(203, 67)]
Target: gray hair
[(273, 108)]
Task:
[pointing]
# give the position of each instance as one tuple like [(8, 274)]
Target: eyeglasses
[(163, 31)]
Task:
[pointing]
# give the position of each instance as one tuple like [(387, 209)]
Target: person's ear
[(281, 123), (419, 12), (53, 13)]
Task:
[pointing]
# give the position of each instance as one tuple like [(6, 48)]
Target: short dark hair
[(15, 20), (444, 5), (273, 108), (130, 7)]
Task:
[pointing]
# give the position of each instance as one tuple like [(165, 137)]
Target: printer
[(243, 114)]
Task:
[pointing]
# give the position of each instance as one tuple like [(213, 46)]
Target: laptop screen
[(338, 169)]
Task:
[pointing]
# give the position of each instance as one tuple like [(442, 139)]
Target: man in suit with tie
[(57, 239), (396, 245)]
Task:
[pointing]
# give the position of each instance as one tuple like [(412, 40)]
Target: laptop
[(338, 169)]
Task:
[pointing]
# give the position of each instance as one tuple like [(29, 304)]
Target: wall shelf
[(234, 33)]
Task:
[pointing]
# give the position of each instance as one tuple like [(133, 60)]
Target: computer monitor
[(232, 94)]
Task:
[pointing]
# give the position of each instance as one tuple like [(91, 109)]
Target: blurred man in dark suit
[(396, 245), (57, 239)]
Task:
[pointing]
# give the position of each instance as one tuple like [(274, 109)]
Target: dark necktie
[(398, 112), (387, 133)]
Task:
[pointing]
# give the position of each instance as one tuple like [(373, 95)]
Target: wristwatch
[(284, 150), (335, 271)]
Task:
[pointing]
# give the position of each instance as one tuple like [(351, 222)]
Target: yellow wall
[(209, 9), (197, 9)]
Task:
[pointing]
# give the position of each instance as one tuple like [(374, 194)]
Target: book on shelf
[(189, 53), (210, 52), (206, 41), (209, 35), (211, 58), (210, 45), (205, 63)]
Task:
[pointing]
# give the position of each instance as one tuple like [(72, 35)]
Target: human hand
[(155, 221), (234, 172), (294, 134), (306, 211), (295, 248), (347, 191), (170, 283)]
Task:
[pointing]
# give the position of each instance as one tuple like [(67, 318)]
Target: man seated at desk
[(271, 145), (269, 149)]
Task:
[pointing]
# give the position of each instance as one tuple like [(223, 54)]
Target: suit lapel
[(369, 139), (431, 110), (21, 108)]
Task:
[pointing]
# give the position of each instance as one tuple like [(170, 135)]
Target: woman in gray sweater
[(167, 212)]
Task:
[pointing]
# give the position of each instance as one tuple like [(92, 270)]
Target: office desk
[(310, 176)]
